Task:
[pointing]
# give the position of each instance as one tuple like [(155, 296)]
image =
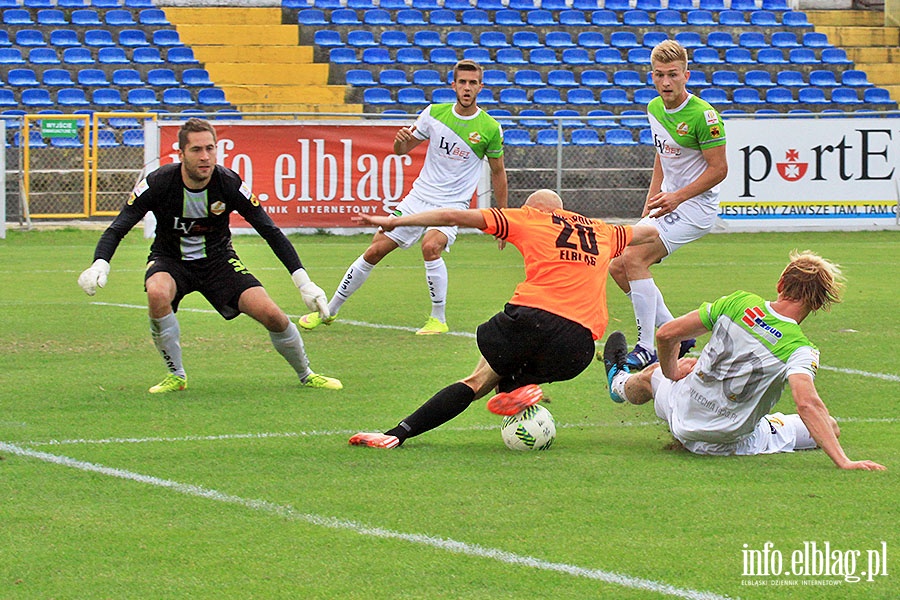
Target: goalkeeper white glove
[(94, 277), (313, 296)]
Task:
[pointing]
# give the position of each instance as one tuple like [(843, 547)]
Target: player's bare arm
[(815, 416), (668, 342), (442, 216), (405, 141), (662, 203), (501, 189)]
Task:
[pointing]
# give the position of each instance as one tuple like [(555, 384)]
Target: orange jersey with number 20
[(566, 260)]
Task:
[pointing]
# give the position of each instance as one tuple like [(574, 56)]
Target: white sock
[(643, 299), (290, 345), (437, 278), (355, 276), (618, 384), (663, 314), (166, 334)]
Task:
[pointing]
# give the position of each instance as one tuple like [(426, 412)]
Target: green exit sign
[(59, 128)]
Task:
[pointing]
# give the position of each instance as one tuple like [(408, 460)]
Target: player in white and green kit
[(460, 137), (683, 198), (721, 403)]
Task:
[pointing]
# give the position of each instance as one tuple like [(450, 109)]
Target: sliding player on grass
[(720, 403), (547, 330), (192, 202)]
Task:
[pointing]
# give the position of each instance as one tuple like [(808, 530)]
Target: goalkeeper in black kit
[(192, 251)]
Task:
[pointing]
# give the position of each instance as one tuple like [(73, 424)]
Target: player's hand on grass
[(94, 276), (313, 296), (864, 465)]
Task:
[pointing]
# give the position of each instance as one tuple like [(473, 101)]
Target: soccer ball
[(531, 429)]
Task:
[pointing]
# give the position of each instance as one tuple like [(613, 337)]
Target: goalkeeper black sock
[(440, 408)]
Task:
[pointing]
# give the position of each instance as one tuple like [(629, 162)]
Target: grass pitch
[(244, 485)]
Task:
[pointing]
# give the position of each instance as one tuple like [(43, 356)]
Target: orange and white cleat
[(510, 403), (375, 440)]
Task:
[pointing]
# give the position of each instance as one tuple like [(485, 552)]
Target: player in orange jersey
[(547, 330)]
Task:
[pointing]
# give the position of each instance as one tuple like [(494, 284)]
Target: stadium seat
[(620, 137), (34, 139), (559, 39), (701, 18), (359, 78), (771, 56), (811, 95), (775, 5), (560, 78), (119, 18), (823, 78), (488, 39), (648, 5), (76, 56), (732, 18), (162, 78), (633, 118), (706, 56), (779, 95), (410, 16), (328, 38), (746, 95), (644, 95), (312, 17), (153, 17), (490, 5), (11, 56), (608, 56), (127, 78), (536, 118), (85, 18), (715, 96), (720, 39), (614, 96), (581, 96), (595, 78), (739, 56), (605, 18), (443, 18), (495, 78), (92, 78), (57, 77), (142, 97), (7, 98), (106, 97), (540, 18), (698, 79), (854, 78), (17, 16), (795, 19), (36, 98), (815, 39), (586, 137), (442, 56), (116, 56), (576, 56), (43, 56), (486, 98), (427, 38), (835, 56), (510, 56), (601, 119), (166, 37), (681, 5), (50, 17), (624, 39), (547, 56), (443, 96), (133, 137), (394, 39), (377, 16), (758, 79), (790, 79), (106, 139), (393, 78), (211, 97), (550, 137), (752, 39), (411, 56), (845, 95), (802, 56), (180, 55), (64, 38), (378, 97), (517, 137), (344, 16), (22, 77), (547, 95), (689, 39), (133, 38), (507, 18), (364, 5), (30, 38), (561, 113), (877, 95), (764, 18), (98, 38), (627, 78), (784, 39), (725, 79), (523, 39), (427, 77), (591, 39), (651, 38), (572, 18), (528, 78), (514, 96), (524, 5), (617, 5), (361, 38)]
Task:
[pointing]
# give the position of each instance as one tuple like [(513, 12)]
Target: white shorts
[(405, 237), (690, 221), (774, 433)]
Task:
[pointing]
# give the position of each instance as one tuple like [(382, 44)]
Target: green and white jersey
[(456, 150), (741, 372), (680, 136)]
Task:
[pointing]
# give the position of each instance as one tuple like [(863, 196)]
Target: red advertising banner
[(316, 176)]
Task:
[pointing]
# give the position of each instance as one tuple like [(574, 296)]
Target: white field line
[(884, 376), (291, 513)]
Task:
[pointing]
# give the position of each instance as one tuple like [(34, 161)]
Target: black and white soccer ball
[(531, 429)]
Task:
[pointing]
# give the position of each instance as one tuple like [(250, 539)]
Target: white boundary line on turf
[(347, 432), (884, 376), (289, 512)]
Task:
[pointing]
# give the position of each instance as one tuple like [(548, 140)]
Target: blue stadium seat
[(344, 16), (393, 78), (528, 78), (98, 38), (538, 118), (586, 137), (17, 16), (76, 56), (608, 56), (547, 95), (561, 78), (30, 38), (601, 119), (720, 39), (22, 77), (142, 98), (746, 95), (106, 139), (378, 97), (698, 79), (179, 55), (591, 39), (775, 5), (812, 95), (715, 96), (739, 56), (854, 78), (4, 38), (576, 56), (486, 98), (559, 39), (127, 78), (545, 56), (725, 79), (495, 78), (11, 56), (790, 79), (758, 79), (490, 5), (595, 78), (411, 96), (328, 38), (620, 137), (488, 39), (701, 18), (364, 5), (116, 56), (211, 97), (648, 5), (732, 18), (572, 18), (771, 56), (86, 17), (426, 4), (133, 38), (877, 95), (377, 16), (617, 5), (442, 56), (34, 139), (524, 39), (815, 39), (614, 96), (784, 39), (525, 5), (540, 18), (443, 17), (835, 56), (457, 5), (624, 39), (312, 17), (644, 95), (162, 77), (845, 95), (427, 38), (443, 96), (550, 137), (92, 78), (50, 17), (752, 39), (627, 78), (510, 56), (133, 137), (568, 112), (706, 56), (780, 95), (359, 78), (793, 18), (376, 56), (633, 118), (107, 98), (680, 5), (410, 16), (119, 18), (427, 77), (517, 137), (475, 18), (652, 38), (153, 17), (64, 38), (508, 18), (764, 18), (36, 98), (636, 18), (689, 39), (57, 77), (581, 96), (823, 78), (361, 38), (394, 39), (43, 56), (514, 96), (802, 56), (669, 18), (411, 56), (605, 18), (166, 37), (7, 98), (582, 4)]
